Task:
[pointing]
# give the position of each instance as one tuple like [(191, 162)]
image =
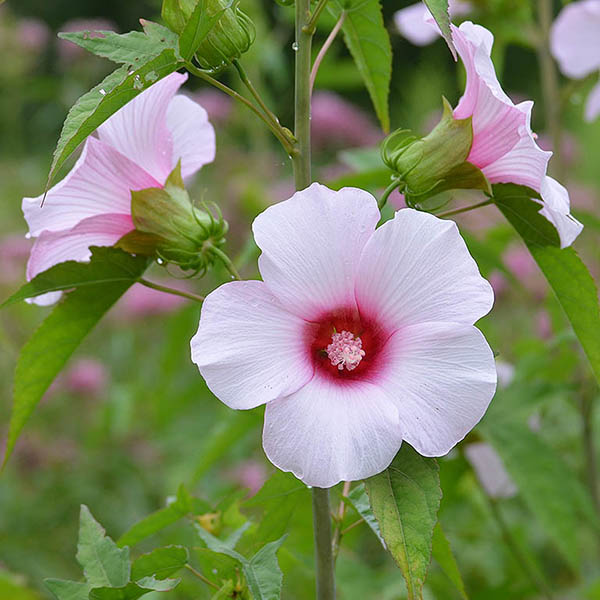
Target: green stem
[(201, 577), (550, 86), (275, 128), (323, 547), (226, 262), (323, 51), (396, 183), (173, 291), (311, 26), (458, 211)]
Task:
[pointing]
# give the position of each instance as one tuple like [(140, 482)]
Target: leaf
[(405, 499), (97, 105), (133, 591), (103, 562), (133, 48), (68, 590), (160, 563), (439, 11), (567, 275), (47, 351), (548, 486), (225, 592), (369, 43), (442, 553), (106, 265), (359, 500), (197, 27)]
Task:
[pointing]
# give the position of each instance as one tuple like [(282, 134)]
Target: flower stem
[(323, 50), (226, 262), (311, 26), (323, 546), (173, 291), (458, 211), (337, 533), (396, 183), (201, 577)]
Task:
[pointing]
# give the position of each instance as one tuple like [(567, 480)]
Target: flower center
[(345, 350)]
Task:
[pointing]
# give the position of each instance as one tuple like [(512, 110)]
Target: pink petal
[(193, 136), (490, 470), (311, 245), (52, 248), (592, 106), (416, 268), (248, 348), (412, 24), (575, 39), (139, 130), (326, 433), (100, 183), (556, 207), (442, 377)]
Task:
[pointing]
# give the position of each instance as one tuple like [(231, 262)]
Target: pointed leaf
[(47, 351), (439, 11), (442, 553), (405, 499), (160, 563), (68, 590), (359, 500), (369, 43), (197, 27), (103, 562), (133, 591), (263, 574)]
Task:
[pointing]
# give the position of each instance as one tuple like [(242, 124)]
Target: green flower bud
[(436, 163), (169, 226)]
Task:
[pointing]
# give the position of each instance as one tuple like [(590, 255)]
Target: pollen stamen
[(345, 350)]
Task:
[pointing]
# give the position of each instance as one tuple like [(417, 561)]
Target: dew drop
[(151, 76), (103, 92), (295, 46), (160, 261)]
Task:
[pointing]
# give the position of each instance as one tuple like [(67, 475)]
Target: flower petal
[(556, 207), (139, 130), (311, 245), (248, 348), (193, 136), (442, 377), (592, 105), (52, 248), (326, 432), (416, 268), (412, 24), (490, 470), (100, 183), (574, 38)]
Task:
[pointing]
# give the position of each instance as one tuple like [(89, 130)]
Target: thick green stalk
[(323, 546)]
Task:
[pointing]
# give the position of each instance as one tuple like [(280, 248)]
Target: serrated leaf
[(97, 105), (359, 500), (47, 351), (405, 499), (442, 553), (103, 562), (106, 265), (133, 591), (369, 43), (133, 48), (439, 11), (567, 275), (160, 563), (543, 479), (68, 590)]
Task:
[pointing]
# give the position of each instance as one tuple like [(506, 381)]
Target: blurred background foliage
[(130, 419)]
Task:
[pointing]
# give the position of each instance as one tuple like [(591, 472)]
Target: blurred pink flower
[(140, 302), (490, 470), (412, 21), (217, 104), (575, 44), (569, 147), (251, 474), (87, 377), (336, 123), (503, 146), (543, 324), (33, 34), (68, 51), (14, 251), (136, 148), (518, 259), (356, 339), (498, 282)]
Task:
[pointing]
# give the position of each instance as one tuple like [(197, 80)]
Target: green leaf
[(47, 351), (567, 275), (225, 592), (68, 590), (369, 43), (197, 28), (405, 499), (359, 500), (160, 563), (97, 105), (439, 11), (133, 48), (133, 591), (106, 265), (442, 553), (548, 486), (103, 562)]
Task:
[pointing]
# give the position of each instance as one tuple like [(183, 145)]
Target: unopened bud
[(170, 227)]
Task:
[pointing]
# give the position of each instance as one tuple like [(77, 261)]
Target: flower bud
[(435, 163), (170, 227)]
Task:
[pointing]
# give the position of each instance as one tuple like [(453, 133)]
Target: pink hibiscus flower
[(135, 149), (504, 147), (575, 44), (356, 340)]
